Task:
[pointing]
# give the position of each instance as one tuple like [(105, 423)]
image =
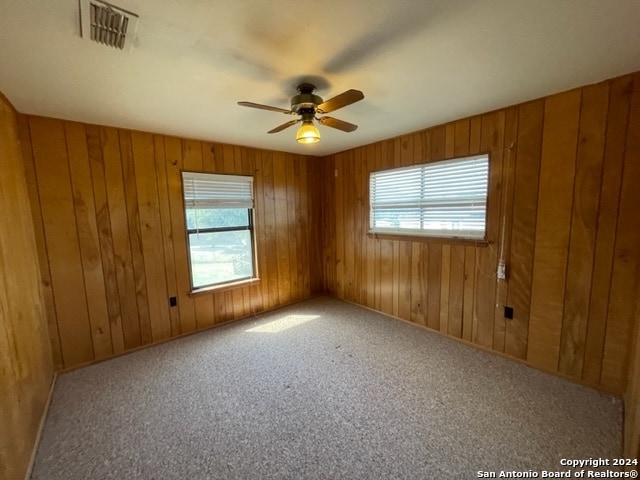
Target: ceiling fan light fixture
[(308, 133), (307, 106)]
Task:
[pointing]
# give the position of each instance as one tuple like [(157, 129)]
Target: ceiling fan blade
[(339, 101), (283, 126), (339, 124), (264, 107)]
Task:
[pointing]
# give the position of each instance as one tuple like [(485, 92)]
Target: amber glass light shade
[(308, 133)]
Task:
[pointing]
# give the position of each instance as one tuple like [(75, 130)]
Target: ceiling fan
[(308, 106)]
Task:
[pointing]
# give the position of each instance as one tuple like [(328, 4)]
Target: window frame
[(446, 236), (250, 227)]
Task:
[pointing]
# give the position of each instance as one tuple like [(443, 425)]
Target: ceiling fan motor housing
[(306, 100)]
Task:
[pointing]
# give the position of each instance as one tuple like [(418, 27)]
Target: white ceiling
[(419, 62)]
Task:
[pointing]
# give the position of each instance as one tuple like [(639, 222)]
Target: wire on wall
[(501, 272)]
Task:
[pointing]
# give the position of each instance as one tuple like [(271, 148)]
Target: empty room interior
[(366, 239)]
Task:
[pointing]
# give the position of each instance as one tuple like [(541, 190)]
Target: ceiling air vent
[(107, 24)]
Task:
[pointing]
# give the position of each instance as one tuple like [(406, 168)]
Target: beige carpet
[(319, 390)]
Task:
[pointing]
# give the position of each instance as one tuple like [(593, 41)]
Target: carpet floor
[(320, 390)]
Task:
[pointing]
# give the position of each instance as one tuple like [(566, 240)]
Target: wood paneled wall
[(564, 199), (109, 223), (108, 209), (26, 369), (632, 397)]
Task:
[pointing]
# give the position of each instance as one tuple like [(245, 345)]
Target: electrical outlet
[(508, 312), (173, 301), (502, 271)]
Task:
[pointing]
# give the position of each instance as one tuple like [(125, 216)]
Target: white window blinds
[(444, 199), (207, 190)]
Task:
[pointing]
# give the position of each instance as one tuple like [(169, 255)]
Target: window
[(438, 199), (219, 215)]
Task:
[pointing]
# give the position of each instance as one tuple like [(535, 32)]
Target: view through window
[(441, 199), (219, 217)]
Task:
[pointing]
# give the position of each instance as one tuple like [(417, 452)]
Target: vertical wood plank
[(293, 212), (506, 220), (445, 283), (54, 186), (631, 440), (167, 231), (282, 237), (434, 286), (395, 278), (422, 147), (133, 218), (220, 301), (404, 273), (173, 153), (348, 225), (475, 134), (103, 220), (437, 144), (328, 224), (456, 291), (555, 198), (208, 157), (486, 257), (418, 284), (307, 220), (85, 213), (584, 219), (386, 276), (270, 228), (43, 259), (462, 136), (449, 142), (143, 149), (614, 152), (228, 159), (314, 238), (526, 179), (615, 360), (106, 167), (339, 211), (469, 289), (204, 310)]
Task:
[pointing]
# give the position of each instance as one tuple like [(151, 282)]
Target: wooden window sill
[(427, 239), (223, 287)]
